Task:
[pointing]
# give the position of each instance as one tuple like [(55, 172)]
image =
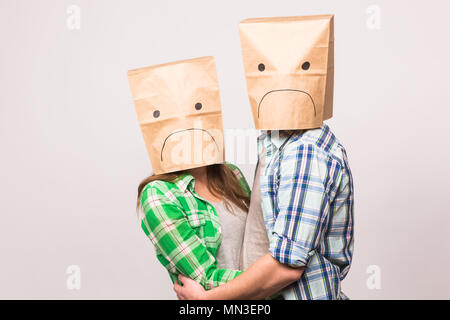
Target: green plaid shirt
[(185, 230)]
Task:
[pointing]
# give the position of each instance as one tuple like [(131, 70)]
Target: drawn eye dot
[(261, 67), (156, 114), (198, 106), (306, 65)]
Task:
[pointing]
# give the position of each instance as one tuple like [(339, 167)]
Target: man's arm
[(303, 206), (262, 279)]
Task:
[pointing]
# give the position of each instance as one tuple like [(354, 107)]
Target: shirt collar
[(185, 181), (273, 138)]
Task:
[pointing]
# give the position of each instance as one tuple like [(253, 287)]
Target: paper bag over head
[(179, 112), (289, 68)]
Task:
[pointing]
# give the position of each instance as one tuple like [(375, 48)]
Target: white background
[(72, 154)]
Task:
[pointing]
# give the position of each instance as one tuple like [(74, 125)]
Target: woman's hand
[(190, 290)]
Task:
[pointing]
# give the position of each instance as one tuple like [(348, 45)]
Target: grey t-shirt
[(256, 242), (232, 225)]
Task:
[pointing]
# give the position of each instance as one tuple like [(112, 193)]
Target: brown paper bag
[(289, 68), (179, 112)]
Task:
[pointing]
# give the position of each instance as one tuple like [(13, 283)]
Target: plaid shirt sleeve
[(183, 251), (302, 203)]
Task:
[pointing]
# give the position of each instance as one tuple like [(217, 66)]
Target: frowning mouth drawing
[(287, 90), (183, 130)]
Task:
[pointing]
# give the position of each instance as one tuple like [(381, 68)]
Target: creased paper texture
[(179, 112), (289, 68)]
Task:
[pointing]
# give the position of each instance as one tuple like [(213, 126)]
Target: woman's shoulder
[(159, 193), (158, 185), (237, 172), (239, 175), (160, 189)]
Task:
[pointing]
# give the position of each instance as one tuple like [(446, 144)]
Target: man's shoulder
[(321, 140)]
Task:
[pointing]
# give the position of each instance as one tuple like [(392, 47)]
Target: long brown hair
[(222, 182)]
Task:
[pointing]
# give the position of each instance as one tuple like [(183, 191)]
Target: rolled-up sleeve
[(302, 205)]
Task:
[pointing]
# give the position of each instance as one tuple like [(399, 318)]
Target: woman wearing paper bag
[(193, 191)]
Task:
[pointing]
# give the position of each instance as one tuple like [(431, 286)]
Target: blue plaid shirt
[(307, 203)]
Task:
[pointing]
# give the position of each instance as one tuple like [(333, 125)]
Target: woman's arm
[(166, 225)]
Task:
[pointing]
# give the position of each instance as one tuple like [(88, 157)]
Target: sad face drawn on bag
[(300, 98), (196, 138), (179, 111), (288, 65)]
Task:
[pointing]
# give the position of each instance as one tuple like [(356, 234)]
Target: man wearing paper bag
[(303, 176)]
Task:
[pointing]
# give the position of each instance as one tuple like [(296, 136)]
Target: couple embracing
[(291, 235)]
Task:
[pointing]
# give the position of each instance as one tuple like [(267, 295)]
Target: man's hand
[(264, 278), (190, 290)]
